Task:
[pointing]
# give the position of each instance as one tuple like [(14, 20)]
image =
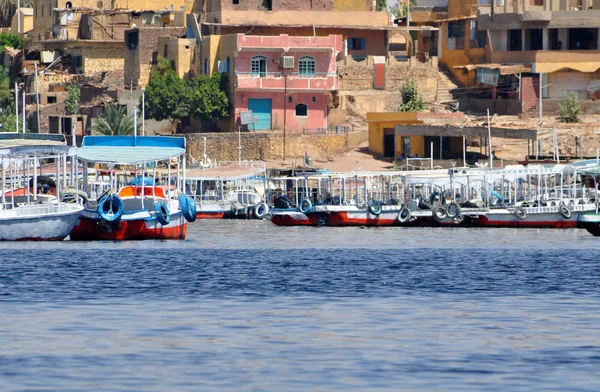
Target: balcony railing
[(290, 80), (546, 56), (292, 74)]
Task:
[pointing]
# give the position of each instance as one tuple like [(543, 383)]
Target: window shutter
[(362, 44), (351, 43)]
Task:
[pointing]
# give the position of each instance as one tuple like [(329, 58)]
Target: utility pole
[(240, 145), (284, 108), (17, 105), (23, 111), (37, 98), (131, 96), (19, 16), (540, 92), (489, 139), (134, 126), (204, 155), (143, 112)]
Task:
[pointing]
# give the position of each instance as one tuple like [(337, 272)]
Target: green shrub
[(570, 109), (411, 100), (73, 97)]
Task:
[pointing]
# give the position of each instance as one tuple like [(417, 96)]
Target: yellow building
[(384, 141), (458, 42), (26, 15)]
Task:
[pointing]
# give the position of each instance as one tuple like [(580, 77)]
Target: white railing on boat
[(25, 210)]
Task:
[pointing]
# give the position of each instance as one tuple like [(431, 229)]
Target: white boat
[(31, 208), (228, 191)]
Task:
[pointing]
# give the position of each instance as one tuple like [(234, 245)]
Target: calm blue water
[(247, 306)]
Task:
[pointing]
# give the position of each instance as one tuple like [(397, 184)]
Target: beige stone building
[(84, 37)]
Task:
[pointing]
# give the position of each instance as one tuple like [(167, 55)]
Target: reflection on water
[(251, 306)]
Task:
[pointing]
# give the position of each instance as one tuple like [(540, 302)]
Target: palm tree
[(114, 122)]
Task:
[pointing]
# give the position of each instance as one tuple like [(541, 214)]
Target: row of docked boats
[(534, 196), (130, 187), (111, 188)]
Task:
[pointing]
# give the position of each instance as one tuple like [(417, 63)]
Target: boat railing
[(253, 165), (24, 210)]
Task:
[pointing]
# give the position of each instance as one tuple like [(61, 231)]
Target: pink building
[(286, 81)]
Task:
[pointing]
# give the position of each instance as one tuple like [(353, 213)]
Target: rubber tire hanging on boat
[(261, 210), (374, 207), (520, 213), (564, 212), (162, 213), (188, 207), (191, 204), (305, 206), (69, 195), (109, 203), (453, 209), (439, 213), (404, 215)]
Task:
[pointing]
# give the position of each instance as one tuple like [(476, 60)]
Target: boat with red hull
[(141, 209), (519, 197)]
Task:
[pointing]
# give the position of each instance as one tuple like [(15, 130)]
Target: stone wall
[(358, 76), (269, 146), (276, 5), (97, 60), (138, 61)]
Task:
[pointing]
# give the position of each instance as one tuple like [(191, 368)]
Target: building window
[(307, 66), (314, 99), (206, 66), (515, 40), (478, 37), (290, 99), (456, 35), (301, 110), (42, 10), (236, 1), (132, 39), (259, 66), (356, 43), (228, 64)]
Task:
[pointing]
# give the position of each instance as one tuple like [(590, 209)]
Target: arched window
[(307, 66), (228, 64), (206, 66), (259, 66), (301, 110)]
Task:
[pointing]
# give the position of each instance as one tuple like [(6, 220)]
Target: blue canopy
[(130, 150)]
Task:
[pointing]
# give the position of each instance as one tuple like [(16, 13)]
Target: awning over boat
[(127, 155), (14, 139), (36, 150), (133, 141), (130, 150)]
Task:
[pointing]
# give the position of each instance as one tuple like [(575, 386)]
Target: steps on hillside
[(445, 86)]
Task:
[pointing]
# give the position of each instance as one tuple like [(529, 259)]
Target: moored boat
[(32, 206), (152, 205), (226, 191)]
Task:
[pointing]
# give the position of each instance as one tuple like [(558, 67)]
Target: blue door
[(261, 111)]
